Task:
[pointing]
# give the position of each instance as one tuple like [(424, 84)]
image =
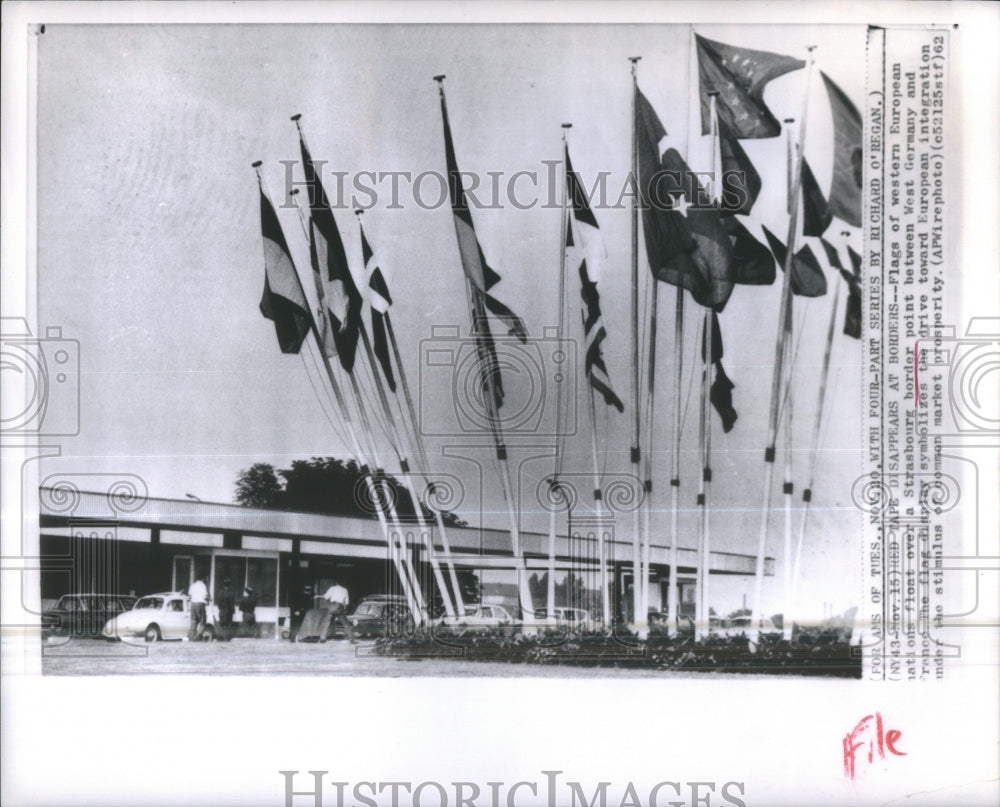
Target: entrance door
[(183, 575)]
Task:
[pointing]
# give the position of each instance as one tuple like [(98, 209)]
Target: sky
[(149, 251)]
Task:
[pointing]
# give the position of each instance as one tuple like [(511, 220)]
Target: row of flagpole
[(478, 279)]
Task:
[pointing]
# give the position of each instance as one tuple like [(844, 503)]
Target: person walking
[(338, 600), (248, 610), (198, 594), (227, 608)]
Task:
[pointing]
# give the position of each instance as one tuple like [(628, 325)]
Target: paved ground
[(271, 657)]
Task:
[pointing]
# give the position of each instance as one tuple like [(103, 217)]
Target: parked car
[(478, 619), (158, 616), (83, 614), (739, 625), (569, 619), (381, 615)]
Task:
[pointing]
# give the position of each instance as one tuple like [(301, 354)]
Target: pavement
[(275, 657)]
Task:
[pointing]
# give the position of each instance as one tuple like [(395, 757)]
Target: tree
[(258, 486), (327, 485)]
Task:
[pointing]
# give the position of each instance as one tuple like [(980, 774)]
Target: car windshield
[(149, 602), (368, 609)]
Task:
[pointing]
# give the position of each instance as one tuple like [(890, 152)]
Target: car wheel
[(208, 634), (152, 634)]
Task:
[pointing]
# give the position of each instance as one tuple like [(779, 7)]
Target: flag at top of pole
[(480, 274), (740, 75), (284, 301), (592, 248), (342, 298)]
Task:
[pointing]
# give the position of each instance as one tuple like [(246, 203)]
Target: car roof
[(384, 598), (97, 594), (163, 594)]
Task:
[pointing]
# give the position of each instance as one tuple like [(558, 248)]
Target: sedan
[(83, 614), (740, 625), (478, 618), (157, 616), (380, 615)]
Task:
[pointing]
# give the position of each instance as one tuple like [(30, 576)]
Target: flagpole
[(393, 535), (704, 565), (396, 536), (814, 450), (648, 481), (557, 495), (673, 592), (404, 466), (397, 531), (599, 513), (636, 414), (493, 415), (776, 376), (788, 487), (479, 320), (421, 454), (355, 444)]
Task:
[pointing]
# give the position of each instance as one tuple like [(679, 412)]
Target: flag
[(589, 236), (832, 255), (481, 279), (668, 241), (753, 263), (852, 315), (327, 344), (378, 302), (284, 301), (740, 75), (807, 277), (816, 215), (740, 181), (342, 298), (845, 190), (855, 260), (720, 394), (480, 274), (708, 271)]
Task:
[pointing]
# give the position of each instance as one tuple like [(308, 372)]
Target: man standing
[(198, 593), (339, 599), (248, 607), (227, 608)]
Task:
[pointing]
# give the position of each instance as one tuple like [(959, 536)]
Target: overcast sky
[(150, 251)]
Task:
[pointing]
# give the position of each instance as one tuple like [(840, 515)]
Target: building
[(92, 541)]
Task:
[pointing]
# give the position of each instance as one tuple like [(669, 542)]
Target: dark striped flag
[(379, 302), (342, 300), (720, 394), (284, 301), (753, 263), (807, 277), (740, 181), (816, 215), (480, 275), (591, 250)]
